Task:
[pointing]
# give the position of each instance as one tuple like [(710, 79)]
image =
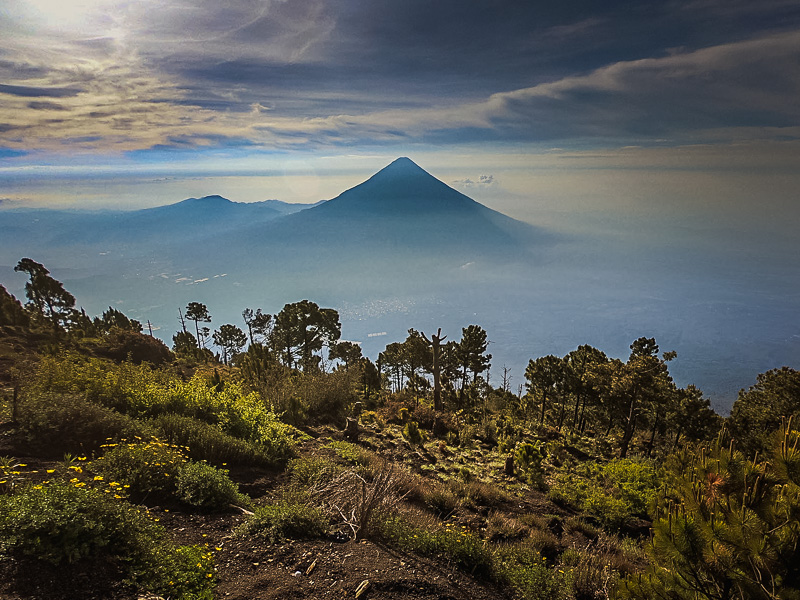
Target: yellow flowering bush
[(158, 469), (65, 522), (148, 467)]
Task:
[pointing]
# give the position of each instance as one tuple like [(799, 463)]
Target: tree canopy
[(301, 330), (45, 294)]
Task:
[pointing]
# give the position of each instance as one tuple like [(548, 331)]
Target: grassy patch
[(70, 423), (611, 493), (519, 566), (204, 486)]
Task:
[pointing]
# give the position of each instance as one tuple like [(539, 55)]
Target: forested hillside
[(270, 459)]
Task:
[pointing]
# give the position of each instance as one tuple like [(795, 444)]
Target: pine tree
[(726, 527)]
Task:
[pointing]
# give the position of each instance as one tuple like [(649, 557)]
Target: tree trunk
[(351, 430), (435, 343), (630, 428), (652, 436), (544, 406)]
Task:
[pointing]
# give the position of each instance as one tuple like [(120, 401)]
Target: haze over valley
[(403, 249)]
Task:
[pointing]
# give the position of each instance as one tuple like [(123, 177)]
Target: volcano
[(405, 210)]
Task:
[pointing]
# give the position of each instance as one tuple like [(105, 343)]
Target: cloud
[(732, 91), (482, 181), (44, 105), (274, 74), (37, 92)]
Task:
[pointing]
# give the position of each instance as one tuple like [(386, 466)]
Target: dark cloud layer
[(38, 92)]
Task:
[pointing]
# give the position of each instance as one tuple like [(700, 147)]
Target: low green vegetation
[(67, 522), (613, 493), (290, 515), (519, 566)]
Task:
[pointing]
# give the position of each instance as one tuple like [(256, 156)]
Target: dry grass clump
[(357, 497), (478, 493), (501, 527)]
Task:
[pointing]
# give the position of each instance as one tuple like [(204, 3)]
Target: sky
[(566, 114)]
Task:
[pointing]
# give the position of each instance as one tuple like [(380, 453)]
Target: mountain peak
[(400, 188), (212, 200), (402, 162), (402, 167)]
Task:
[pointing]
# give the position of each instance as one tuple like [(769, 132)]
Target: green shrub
[(403, 415), (143, 392), (66, 522), (424, 415), (636, 481), (467, 435), (204, 486), (489, 431), (288, 516), (518, 565), (612, 493), (182, 573), (161, 470), (137, 347), (457, 544), (440, 499), (62, 522), (529, 459), (524, 569), (69, 423), (98, 380), (370, 417), (207, 442), (149, 468), (412, 433), (349, 452), (325, 396)]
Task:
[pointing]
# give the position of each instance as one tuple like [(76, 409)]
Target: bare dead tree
[(436, 344)]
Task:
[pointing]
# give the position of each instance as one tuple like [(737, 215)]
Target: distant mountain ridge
[(400, 228), (189, 219)]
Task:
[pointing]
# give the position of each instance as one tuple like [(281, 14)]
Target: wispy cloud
[(123, 75)]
